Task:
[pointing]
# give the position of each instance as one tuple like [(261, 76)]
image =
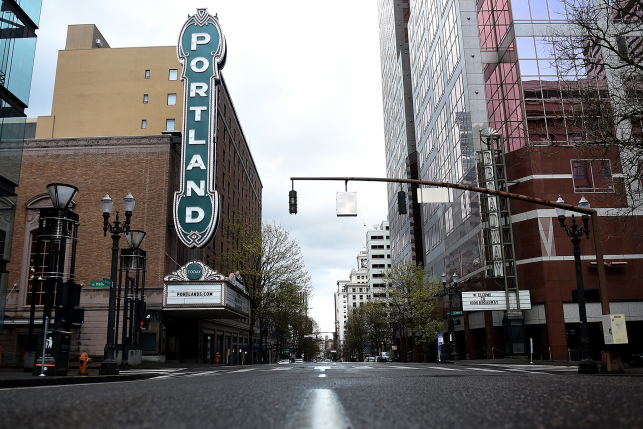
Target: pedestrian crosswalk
[(462, 368)]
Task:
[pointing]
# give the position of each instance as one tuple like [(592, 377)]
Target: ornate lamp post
[(109, 367), (450, 289), (587, 364)]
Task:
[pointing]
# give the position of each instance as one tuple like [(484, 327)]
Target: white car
[(299, 361), (283, 361)]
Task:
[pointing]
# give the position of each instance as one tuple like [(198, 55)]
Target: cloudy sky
[(305, 80)]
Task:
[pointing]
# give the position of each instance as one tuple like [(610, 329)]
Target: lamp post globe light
[(587, 364), (450, 289), (108, 366)]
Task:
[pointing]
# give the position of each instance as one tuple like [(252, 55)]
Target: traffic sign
[(98, 283), (107, 282), (455, 313)]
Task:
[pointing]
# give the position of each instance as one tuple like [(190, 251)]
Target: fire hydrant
[(83, 363)]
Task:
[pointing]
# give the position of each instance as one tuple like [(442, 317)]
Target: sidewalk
[(13, 377), (629, 370)]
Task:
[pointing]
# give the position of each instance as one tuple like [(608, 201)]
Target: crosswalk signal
[(401, 202), (292, 196), (144, 323)]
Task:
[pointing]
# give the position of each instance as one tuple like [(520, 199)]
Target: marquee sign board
[(201, 50), (197, 291), (494, 300)]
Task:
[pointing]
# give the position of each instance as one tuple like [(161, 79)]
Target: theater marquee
[(195, 290), (201, 50)]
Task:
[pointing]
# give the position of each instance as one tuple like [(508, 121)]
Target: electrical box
[(614, 329)]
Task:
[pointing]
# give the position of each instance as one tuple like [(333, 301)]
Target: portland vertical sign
[(201, 50)]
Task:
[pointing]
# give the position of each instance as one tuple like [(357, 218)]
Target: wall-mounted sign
[(194, 294), (494, 300), (201, 51)]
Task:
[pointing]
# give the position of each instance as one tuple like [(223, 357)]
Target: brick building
[(115, 128)]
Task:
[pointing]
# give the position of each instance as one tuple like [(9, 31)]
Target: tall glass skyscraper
[(450, 70), (20, 19)]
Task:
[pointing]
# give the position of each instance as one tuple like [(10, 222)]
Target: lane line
[(442, 368), (322, 410)]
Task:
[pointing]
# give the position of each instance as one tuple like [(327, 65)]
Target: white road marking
[(280, 369), (483, 369), (442, 368), (321, 368), (322, 410), (322, 375)]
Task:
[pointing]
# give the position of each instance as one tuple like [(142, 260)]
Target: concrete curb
[(35, 381)]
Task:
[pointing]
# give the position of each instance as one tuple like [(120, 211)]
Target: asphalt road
[(356, 395)]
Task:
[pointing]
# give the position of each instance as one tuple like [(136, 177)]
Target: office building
[(450, 70), (20, 21)]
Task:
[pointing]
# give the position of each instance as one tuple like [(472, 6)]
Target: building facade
[(115, 128), (474, 65), (20, 21)]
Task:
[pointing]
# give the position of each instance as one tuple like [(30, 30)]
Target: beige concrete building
[(104, 91), (115, 128)]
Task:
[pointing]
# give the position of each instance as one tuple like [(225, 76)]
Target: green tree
[(356, 332), (412, 304)]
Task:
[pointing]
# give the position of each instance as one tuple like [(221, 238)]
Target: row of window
[(169, 124), (171, 99), (172, 75)]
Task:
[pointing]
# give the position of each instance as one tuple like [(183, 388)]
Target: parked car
[(327, 361), (283, 361), (299, 361)]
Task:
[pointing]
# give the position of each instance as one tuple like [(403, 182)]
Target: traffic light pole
[(611, 359)]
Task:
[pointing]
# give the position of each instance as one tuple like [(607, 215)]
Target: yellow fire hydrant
[(83, 363)]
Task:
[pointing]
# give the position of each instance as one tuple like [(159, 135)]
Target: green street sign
[(202, 52), (107, 282), (98, 283), (455, 313)]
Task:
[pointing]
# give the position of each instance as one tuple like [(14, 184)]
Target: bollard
[(83, 363)]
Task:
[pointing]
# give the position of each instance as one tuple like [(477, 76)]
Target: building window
[(173, 74), (592, 176), (169, 124), (171, 99), (448, 221), (144, 124), (354, 304), (147, 74), (361, 297), (465, 203), (145, 98)]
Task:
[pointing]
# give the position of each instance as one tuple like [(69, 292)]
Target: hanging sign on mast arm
[(201, 50)]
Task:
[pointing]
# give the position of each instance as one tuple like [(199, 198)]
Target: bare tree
[(597, 97), (273, 268)]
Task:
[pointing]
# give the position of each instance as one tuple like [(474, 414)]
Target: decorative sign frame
[(201, 50), (196, 290), (494, 300)]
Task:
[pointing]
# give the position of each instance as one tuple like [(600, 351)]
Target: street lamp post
[(108, 366), (587, 364), (450, 289)]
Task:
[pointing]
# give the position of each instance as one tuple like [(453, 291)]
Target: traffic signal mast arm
[(598, 246)]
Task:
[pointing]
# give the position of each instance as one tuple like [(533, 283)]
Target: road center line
[(322, 410)]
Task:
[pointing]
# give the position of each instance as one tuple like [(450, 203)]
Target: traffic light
[(292, 196), (144, 324), (401, 202)]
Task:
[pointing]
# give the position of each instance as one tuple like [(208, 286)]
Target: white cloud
[(305, 80)]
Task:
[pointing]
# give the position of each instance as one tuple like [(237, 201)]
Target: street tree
[(356, 332), (273, 269), (412, 304)]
